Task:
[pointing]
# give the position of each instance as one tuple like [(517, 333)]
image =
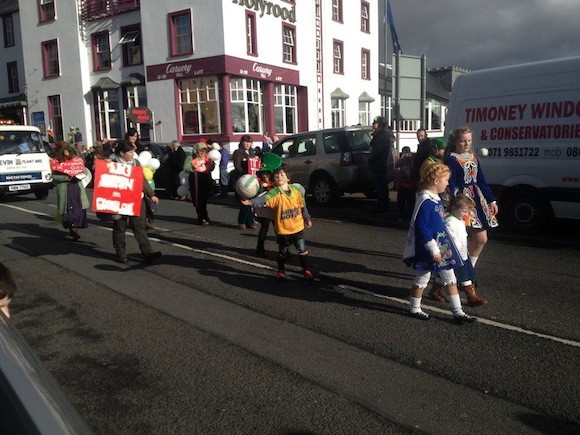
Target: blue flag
[(391, 21)]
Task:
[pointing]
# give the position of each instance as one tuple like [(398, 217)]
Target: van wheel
[(323, 190), (527, 211), (41, 194)]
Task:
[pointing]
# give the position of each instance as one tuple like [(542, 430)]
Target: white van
[(24, 163), (526, 130)]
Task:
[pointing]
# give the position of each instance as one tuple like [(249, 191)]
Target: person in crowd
[(291, 217), (241, 166), (459, 208), (467, 177), (423, 151), (429, 247), (132, 137), (97, 152), (224, 174), (71, 196), (266, 143), (378, 161), (172, 165), (405, 184), (125, 154), (7, 289), (199, 167), (438, 146)]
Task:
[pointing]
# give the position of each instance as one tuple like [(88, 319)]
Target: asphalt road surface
[(206, 340)]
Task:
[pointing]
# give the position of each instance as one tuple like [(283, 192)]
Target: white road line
[(343, 286)]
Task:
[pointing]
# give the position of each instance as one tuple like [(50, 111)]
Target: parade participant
[(270, 162), (241, 166), (199, 167), (405, 184), (7, 289), (423, 151), (378, 162), (125, 154), (467, 178), (437, 146), (429, 247), (290, 218), (224, 174), (71, 197)]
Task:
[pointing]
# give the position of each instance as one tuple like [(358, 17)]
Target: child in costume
[(270, 162), (290, 218), (429, 247)]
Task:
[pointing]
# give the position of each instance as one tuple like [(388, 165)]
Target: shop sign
[(268, 8), (140, 115)]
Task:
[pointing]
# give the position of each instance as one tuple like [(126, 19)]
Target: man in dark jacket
[(378, 162)]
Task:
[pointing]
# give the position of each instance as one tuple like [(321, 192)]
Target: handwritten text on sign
[(118, 188)]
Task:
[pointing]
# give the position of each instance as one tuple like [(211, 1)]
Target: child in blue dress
[(429, 247)]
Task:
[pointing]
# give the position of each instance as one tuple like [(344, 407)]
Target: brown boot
[(435, 292), (472, 299)]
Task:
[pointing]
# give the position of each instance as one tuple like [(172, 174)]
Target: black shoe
[(421, 315), (152, 256), (121, 258), (463, 318)]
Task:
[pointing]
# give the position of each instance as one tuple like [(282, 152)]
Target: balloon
[(153, 164), (148, 174), (215, 146), (215, 155), (183, 178), (183, 190), (144, 157)]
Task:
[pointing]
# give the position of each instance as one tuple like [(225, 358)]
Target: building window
[(251, 39), (46, 10), (12, 68), (338, 112), (8, 31), (136, 96), (364, 17), (337, 10), (285, 109), (50, 61), (131, 45), (200, 109), (109, 114), (101, 51), (365, 64), (247, 105), (180, 33), (289, 43), (338, 62), (55, 117), (364, 113)]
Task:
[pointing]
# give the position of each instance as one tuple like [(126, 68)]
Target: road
[(207, 341)]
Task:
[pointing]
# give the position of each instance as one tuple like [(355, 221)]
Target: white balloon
[(153, 164), (215, 155), (144, 157), (484, 152), (184, 178), (215, 146)]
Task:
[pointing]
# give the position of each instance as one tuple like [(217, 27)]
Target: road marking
[(342, 286)]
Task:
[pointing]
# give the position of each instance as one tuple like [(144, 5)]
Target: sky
[(479, 34)]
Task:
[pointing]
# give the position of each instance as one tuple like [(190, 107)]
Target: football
[(247, 186)]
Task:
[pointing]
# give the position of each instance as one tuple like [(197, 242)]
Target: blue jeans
[(382, 186)]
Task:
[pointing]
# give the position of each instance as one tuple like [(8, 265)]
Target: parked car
[(331, 162)]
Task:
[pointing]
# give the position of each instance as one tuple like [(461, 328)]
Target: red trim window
[(50, 58), (337, 10), (8, 22), (46, 10), (365, 64), (180, 33), (251, 38), (101, 51), (55, 116), (365, 24), (12, 69), (337, 58), (289, 43), (131, 45)]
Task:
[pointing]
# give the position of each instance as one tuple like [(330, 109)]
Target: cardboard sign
[(118, 188), (199, 164), (71, 167), (253, 166)]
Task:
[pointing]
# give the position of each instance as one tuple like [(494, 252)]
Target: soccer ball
[(247, 186)]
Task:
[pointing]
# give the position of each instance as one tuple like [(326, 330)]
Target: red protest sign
[(71, 167), (253, 165), (118, 188)]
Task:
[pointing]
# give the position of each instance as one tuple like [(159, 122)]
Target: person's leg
[(138, 225), (382, 191), (450, 283), (466, 279), (421, 281), (300, 245), (475, 244), (119, 228), (282, 256), (264, 225)]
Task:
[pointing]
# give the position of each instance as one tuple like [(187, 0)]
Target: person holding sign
[(199, 167), (125, 154), (68, 171)]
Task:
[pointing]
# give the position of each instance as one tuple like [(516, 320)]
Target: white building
[(186, 69)]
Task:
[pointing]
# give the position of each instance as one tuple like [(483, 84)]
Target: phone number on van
[(534, 152)]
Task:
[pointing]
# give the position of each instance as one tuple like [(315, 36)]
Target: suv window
[(297, 147), (335, 142), (360, 140)]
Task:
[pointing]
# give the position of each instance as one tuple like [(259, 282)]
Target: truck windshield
[(20, 142)]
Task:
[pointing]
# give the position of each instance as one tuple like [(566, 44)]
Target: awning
[(365, 98), (339, 94), (105, 84), (14, 101), (134, 79)]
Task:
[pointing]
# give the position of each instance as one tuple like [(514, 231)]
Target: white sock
[(466, 283), (415, 304), (455, 304), (473, 259)]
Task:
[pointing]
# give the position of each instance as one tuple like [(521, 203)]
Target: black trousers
[(137, 223)]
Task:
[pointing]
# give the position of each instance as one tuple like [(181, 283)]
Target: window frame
[(364, 112), (197, 92), (285, 101), (338, 112), (251, 34), (337, 11), (54, 103), (239, 98), (8, 30), (173, 36), (337, 68), (365, 22), (46, 14), (126, 46), (365, 64), (289, 47), (12, 75), (97, 55), (46, 59)]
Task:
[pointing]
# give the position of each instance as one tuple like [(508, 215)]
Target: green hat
[(438, 143), (270, 161)]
